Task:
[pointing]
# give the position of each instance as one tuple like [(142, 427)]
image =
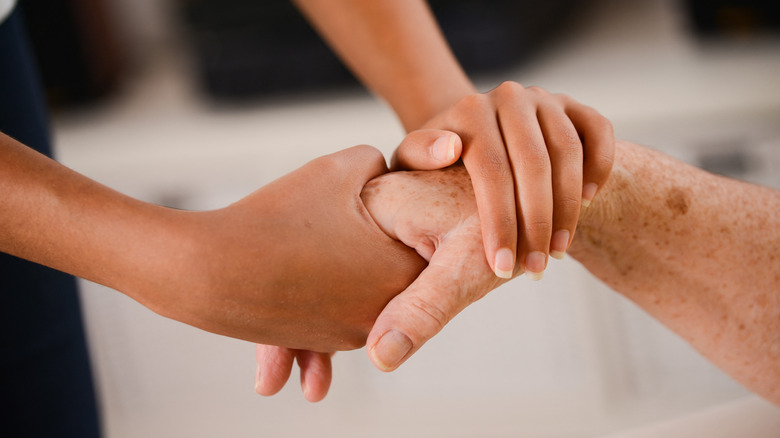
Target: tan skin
[(255, 270), (696, 251)]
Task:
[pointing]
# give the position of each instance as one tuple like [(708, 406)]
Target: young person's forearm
[(54, 216), (299, 262), (396, 48), (696, 251)]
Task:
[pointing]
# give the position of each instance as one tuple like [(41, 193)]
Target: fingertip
[(559, 244), (535, 263), (589, 191), (390, 350), (316, 374), (504, 263), (427, 149), (258, 381), (443, 148), (274, 365)]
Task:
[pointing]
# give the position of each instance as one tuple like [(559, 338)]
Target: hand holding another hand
[(533, 157), (435, 213), (299, 262)]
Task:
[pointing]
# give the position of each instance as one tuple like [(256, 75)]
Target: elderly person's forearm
[(697, 252)]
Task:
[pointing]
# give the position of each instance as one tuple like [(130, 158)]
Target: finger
[(485, 157), (598, 140), (457, 276), (565, 150), (274, 365), (316, 374), (427, 149), (533, 181)]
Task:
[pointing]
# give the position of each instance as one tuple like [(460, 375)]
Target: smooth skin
[(696, 251)]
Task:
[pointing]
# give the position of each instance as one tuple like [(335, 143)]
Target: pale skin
[(695, 250)]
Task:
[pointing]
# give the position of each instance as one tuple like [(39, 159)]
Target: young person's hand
[(435, 213), (299, 262), (534, 159)]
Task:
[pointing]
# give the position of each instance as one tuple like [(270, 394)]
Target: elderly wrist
[(615, 204)]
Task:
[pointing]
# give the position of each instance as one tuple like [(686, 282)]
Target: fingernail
[(257, 380), (559, 243), (305, 388), (504, 263), (534, 265), (391, 348), (444, 148), (588, 193)]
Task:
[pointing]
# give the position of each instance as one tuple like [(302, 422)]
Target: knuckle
[(568, 150), (370, 154), (470, 103), (537, 225), (536, 161), (430, 312), (570, 143), (493, 166), (567, 203), (538, 90), (506, 93), (506, 221), (327, 163), (565, 99), (509, 87)]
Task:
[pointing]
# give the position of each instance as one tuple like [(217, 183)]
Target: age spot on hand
[(678, 200)]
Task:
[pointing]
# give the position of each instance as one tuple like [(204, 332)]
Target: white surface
[(565, 357), (748, 417)]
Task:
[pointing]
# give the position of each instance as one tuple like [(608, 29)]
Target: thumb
[(417, 314), (427, 149)]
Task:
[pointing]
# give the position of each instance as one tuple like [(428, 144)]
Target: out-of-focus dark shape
[(244, 48), (734, 18), (75, 47), (249, 48)]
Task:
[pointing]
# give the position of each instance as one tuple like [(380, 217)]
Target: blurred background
[(196, 103)]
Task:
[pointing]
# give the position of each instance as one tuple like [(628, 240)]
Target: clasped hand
[(525, 151)]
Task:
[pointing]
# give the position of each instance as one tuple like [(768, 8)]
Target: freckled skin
[(678, 200), (694, 250), (435, 211)]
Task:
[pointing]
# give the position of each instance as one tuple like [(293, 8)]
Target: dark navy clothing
[(46, 387)]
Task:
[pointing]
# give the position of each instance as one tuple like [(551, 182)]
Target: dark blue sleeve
[(46, 387)]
